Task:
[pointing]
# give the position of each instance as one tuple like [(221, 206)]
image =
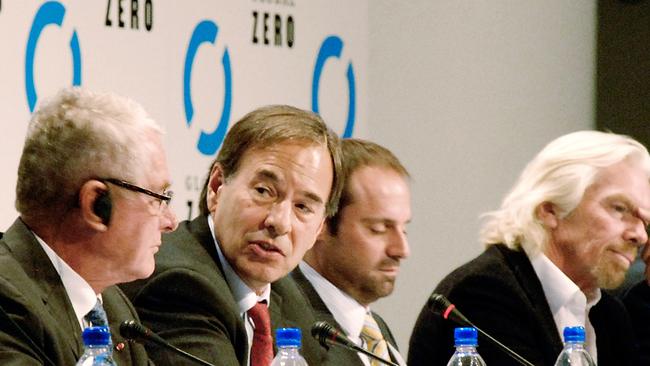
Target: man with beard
[(570, 227), (356, 258)]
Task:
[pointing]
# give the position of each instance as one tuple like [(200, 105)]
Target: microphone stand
[(130, 329), (328, 335), (442, 306), (514, 355)]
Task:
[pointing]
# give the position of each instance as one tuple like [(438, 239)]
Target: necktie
[(97, 316), (375, 343), (262, 348)]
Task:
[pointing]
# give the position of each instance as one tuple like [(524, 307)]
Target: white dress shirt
[(569, 305), (81, 295), (245, 297), (347, 311)]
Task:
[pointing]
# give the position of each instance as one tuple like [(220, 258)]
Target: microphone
[(440, 305), (132, 330), (328, 335)]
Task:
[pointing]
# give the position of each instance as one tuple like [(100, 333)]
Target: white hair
[(559, 174), (75, 136)]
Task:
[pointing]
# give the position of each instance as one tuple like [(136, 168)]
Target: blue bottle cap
[(96, 336), (466, 336), (288, 337), (574, 334)]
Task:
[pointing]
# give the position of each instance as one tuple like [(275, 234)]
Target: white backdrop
[(219, 59), (464, 92)]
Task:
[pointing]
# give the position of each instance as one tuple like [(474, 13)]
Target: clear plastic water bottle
[(97, 348), (288, 341), (466, 341), (574, 352)]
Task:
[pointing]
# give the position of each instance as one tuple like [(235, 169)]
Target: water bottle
[(97, 348), (574, 352), (288, 341), (466, 340)]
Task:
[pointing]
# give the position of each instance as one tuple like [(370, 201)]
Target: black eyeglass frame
[(132, 187)]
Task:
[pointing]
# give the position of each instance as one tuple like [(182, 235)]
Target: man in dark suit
[(219, 276), (90, 218), (356, 259), (637, 302), (571, 226)]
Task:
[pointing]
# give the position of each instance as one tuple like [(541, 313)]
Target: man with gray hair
[(571, 226), (92, 194)]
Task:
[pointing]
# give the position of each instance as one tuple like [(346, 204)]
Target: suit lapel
[(312, 296), (37, 265), (200, 231), (530, 283), (337, 355), (385, 331)]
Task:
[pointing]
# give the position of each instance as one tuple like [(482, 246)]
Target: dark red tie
[(262, 349)]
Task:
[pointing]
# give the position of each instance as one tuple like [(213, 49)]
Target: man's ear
[(95, 205), (324, 234), (547, 213), (215, 183)]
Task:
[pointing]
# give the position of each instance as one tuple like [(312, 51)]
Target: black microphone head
[(438, 303), (131, 329), (327, 335), (322, 331)]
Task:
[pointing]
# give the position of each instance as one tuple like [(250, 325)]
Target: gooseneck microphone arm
[(327, 335), (440, 305), (131, 329)]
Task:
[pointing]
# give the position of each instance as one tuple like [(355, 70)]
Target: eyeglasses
[(163, 198)]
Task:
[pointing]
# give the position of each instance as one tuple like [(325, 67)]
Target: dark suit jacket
[(336, 355), (44, 323), (500, 293), (188, 302), (637, 302)]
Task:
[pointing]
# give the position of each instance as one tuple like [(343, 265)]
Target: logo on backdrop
[(206, 31), (52, 12), (332, 47)]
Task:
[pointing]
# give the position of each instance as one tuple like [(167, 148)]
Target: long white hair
[(559, 174)]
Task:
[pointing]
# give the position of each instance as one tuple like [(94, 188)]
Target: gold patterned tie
[(375, 343)]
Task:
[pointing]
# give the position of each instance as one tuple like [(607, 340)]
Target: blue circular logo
[(51, 12), (332, 47), (206, 31)]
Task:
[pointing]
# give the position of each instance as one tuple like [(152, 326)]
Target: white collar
[(562, 294), (245, 297), (347, 311), (81, 295)]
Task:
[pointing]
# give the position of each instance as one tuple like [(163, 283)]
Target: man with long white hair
[(571, 226)]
